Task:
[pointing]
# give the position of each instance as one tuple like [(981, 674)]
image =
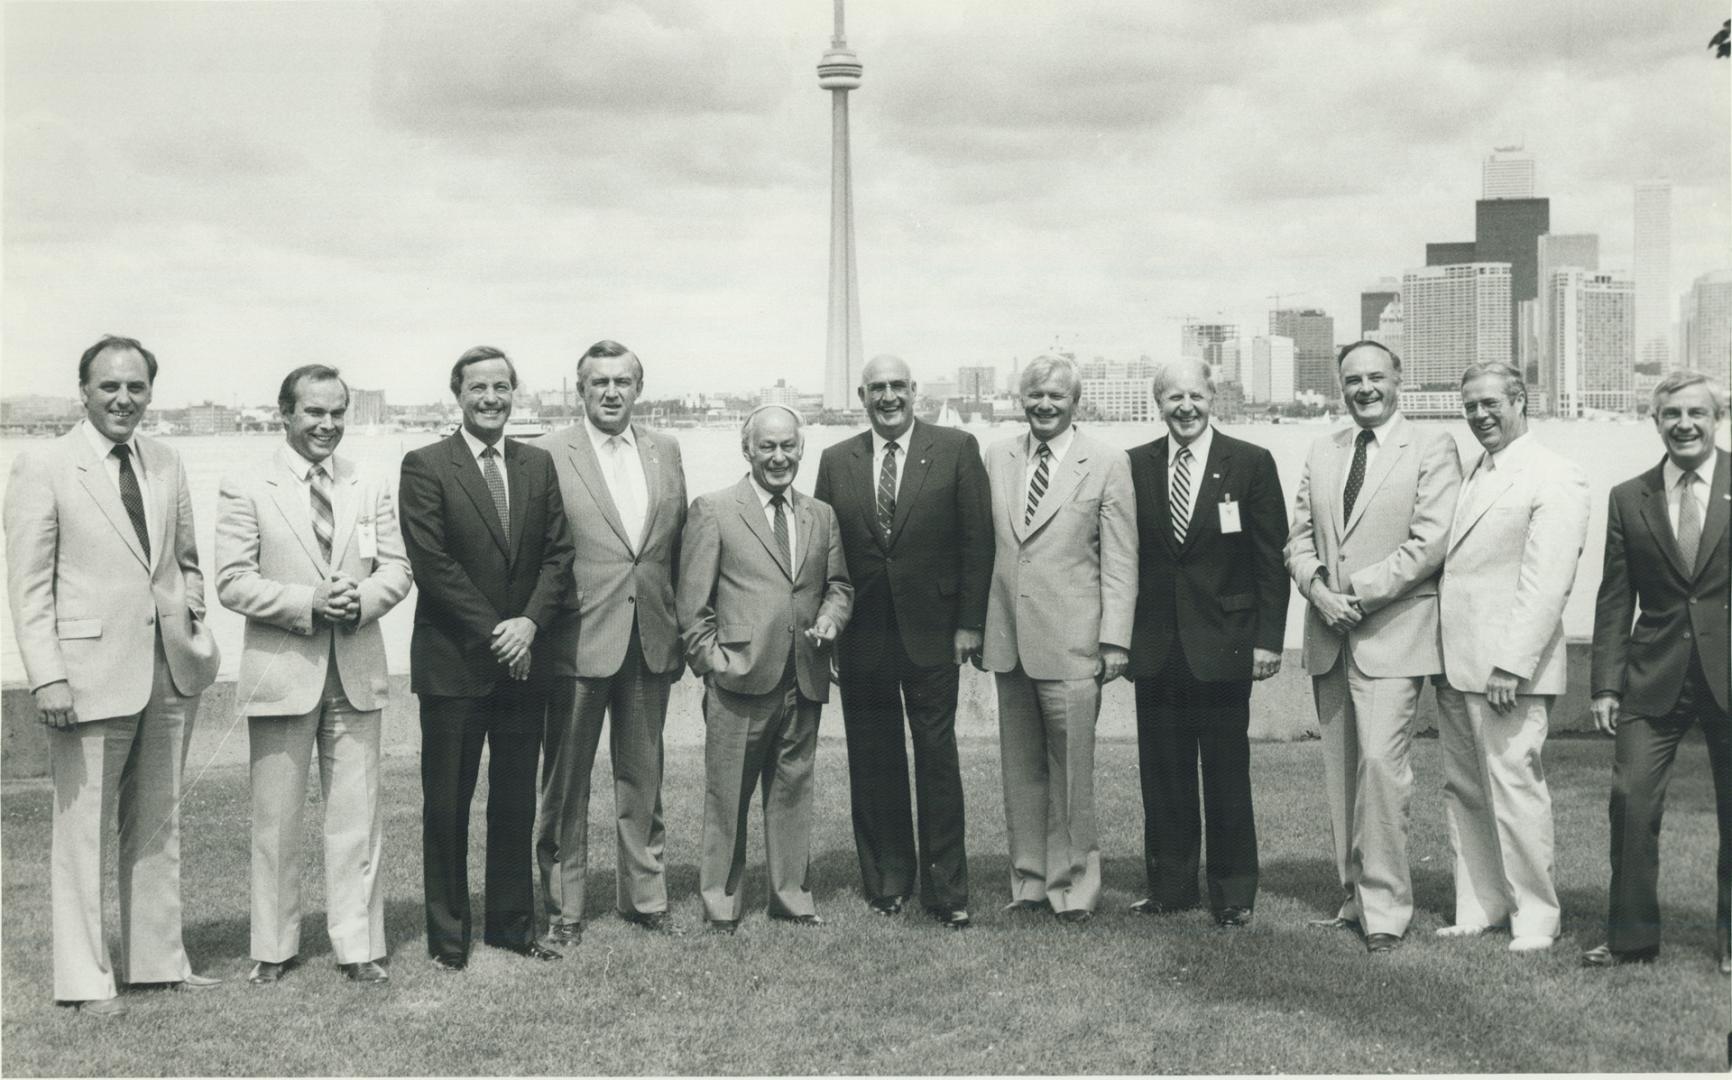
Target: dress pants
[(884, 836), (1047, 753), (1179, 720), (453, 731), (751, 739), (1499, 812), (126, 770), (280, 748), (1367, 728), (635, 701), (1646, 749)]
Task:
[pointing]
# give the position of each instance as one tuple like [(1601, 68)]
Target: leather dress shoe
[(192, 981), (1028, 905), (886, 905), (1602, 956), (1233, 916), (656, 922), (729, 927), (1334, 922), (1148, 905), (956, 919), (564, 933), (369, 973), (1382, 943), (450, 963), (799, 920), (534, 950), (110, 1008), (1075, 916), (270, 972)]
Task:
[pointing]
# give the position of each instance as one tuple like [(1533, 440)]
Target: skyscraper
[(1271, 370), (1373, 300), (1593, 335), (1203, 341), (1453, 316), (839, 72), (975, 381), (1313, 334), (1508, 174), (1449, 253), (1389, 331), (1706, 343), (1556, 251), (1508, 231), (1653, 266)]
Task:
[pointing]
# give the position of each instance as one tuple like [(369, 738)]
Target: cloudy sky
[(248, 186)]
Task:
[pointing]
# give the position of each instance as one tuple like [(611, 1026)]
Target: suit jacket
[(1387, 555), (1066, 583), (269, 564), (86, 602), (469, 578), (1673, 605), (616, 580), (739, 602), (1507, 572), (1218, 595), (931, 573)]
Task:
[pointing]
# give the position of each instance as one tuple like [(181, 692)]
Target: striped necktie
[(131, 497), (887, 488), (777, 502), (496, 486), (1689, 521), (324, 523), (1037, 486), (1180, 494)]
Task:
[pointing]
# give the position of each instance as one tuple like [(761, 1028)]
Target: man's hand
[(351, 594), (1500, 690), (1112, 664), (1264, 663), (54, 705), (822, 632), (1604, 708), (512, 639), (334, 596), (520, 669), (1337, 609), (966, 646)]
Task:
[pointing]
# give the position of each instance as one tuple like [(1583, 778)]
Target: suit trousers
[(1179, 720), (752, 739), (125, 770), (1499, 812), (1367, 728), (280, 749), (635, 701), (1646, 749), (884, 834), (1047, 754), (453, 731)]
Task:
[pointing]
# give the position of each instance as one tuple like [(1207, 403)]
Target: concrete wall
[(1281, 710)]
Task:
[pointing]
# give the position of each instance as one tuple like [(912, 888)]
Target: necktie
[(1355, 475), (777, 502), (1181, 494), (1037, 486), (1689, 520), (887, 488), (496, 485), (132, 498), (625, 496), (324, 524)]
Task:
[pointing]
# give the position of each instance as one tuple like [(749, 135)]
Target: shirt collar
[(300, 466), (104, 446), (1380, 434), (598, 438), (1199, 446), (476, 445), (1059, 444), (765, 495), (1670, 472), (902, 441)]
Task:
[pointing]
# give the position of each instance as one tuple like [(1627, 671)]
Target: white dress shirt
[(1670, 473), (1059, 445), (104, 447), (1199, 448), (622, 468), (1378, 434), (787, 493), (878, 444), (475, 447)]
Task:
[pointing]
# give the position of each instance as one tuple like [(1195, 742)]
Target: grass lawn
[(865, 994)]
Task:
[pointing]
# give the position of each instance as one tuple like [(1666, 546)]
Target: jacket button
[(631, 599), (1686, 635)]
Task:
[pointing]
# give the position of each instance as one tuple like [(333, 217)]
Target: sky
[(251, 186)]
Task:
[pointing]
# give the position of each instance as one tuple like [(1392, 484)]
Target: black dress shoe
[(886, 905), (798, 920), (369, 973), (269, 972), (191, 982), (956, 919), (564, 933), (1233, 916), (656, 922), (1075, 916), (1148, 905), (1334, 922), (450, 963), (534, 950), (730, 927), (1602, 956), (1381, 943), (1028, 905), (102, 1008)]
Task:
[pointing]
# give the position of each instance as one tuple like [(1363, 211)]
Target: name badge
[(367, 538), (1230, 517)]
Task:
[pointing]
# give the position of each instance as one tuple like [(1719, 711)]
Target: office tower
[(782, 394), (1313, 334), (1653, 267), (839, 72), (1271, 370), (1204, 341), (1707, 326), (1509, 231), (1453, 316), (1593, 334), (1228, 367), (1555, 252), (1449, 253), (1508, 174), (1115, 390), (976, 381), (1373, 300), (1389, 331)]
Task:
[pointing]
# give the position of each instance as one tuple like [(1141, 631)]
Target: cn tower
[(839, 72)]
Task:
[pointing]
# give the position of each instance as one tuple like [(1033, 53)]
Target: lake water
[(1608, 452)]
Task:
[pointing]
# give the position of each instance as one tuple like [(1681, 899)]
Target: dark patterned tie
[(1689, 521), (1181, 494), (132, 498), (1037, 486), (887, 488), (496, 485), (324, 522), (1355, 475), (777, 502)]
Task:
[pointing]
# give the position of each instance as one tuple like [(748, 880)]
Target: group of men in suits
[(566, 585)]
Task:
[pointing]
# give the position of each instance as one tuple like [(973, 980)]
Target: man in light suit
[(763, 592), (1661, 657), (108, 608), (1211, 617), (916, 516), (1058, 626), (485, 529), (1370, 523), (308, 551), (1520, 523), (615, 647)]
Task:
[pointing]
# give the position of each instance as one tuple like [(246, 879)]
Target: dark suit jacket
[(931, 574), (1218, 595), (1671, 604), (467, 577)]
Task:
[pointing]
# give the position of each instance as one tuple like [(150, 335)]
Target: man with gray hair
[(1518, 529), (1058, 627), (763, 591)]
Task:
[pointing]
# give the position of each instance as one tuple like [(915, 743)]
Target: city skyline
[(381, 187)]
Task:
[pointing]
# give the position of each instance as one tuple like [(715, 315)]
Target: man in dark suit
[(1667, 568), (1211, 615), (485, 529), (915, 511)]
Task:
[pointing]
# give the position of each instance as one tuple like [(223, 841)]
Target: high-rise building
[(1373, 300), (1593, 333), (1706, 344), (1114, 390), (1557, 251), (1453, 316), (1230, 366), (1203, 341), (1449, 253), (976, 381), (839, 72), (1508, 174), (782, 394), (1653, 272), (1389, 331), (1313, 334), (366, 407), (1509, 231), (1271, 370)]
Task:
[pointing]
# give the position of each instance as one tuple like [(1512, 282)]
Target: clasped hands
[(511, 641), (337, 599), (1340, 611)]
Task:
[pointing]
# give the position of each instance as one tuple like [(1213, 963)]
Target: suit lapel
[(468, 473), (1209, 484), (1484, 489), (1064, 481), (649, 456), (1162, 508), (289, 494), (807, 525), (1719, 508), (517, 498), (1011, 467), (1387, 453), (588, 467), (916, 465), (860, 485), (345, 506), (752, 511), (91, 467), (159, 470), (1654, 512)]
